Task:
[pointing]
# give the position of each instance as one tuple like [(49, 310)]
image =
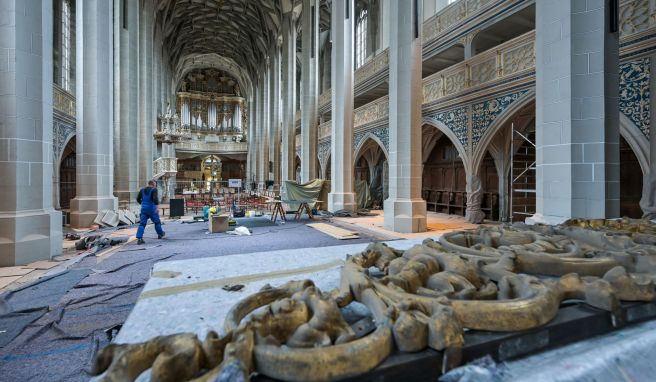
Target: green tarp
[(311, 191), (362, 194)]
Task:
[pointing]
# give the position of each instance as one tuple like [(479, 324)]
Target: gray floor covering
[(60, 344)]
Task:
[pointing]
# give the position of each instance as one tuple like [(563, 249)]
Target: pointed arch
[(364, 145), (636, 140), (497, 124), (452, 137)]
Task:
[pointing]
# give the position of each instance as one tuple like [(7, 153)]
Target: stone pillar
[(648, 200), (261, 155), (30, 229), (288, 96), (145, 94), (126, 102), (577, 114), (94, 151), (250, 138), (405, 210), (341, 159), (309, 82), (274, 117)]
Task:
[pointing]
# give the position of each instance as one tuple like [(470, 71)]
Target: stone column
[(94, 142), (577, 114), (309, 82), (341, 159), (405, 210), (648, 200), (126, 101), (250, 138), (262, 154), (145, 94), (274, 117), (30, 229), (288, 95)]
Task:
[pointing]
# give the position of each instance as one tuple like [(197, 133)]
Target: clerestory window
[(66, 47), (361, 39)]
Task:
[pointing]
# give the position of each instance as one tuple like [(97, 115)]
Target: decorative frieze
[(455, 120), (371, 112), (484, 71), (324, 153), (63, 101), (484, 113), (518, 59), (636, 16), (635, 94), (61, 132), (382, 133)]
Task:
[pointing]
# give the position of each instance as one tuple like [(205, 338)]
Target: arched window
[(66, 48), (361, 39)]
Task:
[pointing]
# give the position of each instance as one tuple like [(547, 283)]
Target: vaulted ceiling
[(241, 31), (232, 35)]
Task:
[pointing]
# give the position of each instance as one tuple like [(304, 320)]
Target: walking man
[(148, 199)]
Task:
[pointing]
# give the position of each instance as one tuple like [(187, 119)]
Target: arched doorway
[(67, 175), (371, 172), (444, 179), (630, 182)]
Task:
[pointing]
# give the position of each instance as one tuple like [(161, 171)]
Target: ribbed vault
[(240, 31)]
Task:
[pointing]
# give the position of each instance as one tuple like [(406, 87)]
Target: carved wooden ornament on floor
[(486, 279)]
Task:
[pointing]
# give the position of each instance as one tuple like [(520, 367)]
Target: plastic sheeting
[(623, 355), (362, 194), (302, 192)]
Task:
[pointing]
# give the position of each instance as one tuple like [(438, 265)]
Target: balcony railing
[(165, 167), (636, 17), (452, 14), (215, 147), (508, 59), (371, 112), (325, 129), (376, 65), (63, 101)]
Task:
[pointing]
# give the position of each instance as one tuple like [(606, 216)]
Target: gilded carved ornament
[(484, 279)]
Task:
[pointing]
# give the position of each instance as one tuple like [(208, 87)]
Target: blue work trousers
[(149, 213)]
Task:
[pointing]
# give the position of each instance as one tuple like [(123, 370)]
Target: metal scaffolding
[(522, 174)]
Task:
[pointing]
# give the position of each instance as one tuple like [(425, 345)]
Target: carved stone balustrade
[(453, 14), (376, 65), (371, 112), (506, 60), (63, 102)]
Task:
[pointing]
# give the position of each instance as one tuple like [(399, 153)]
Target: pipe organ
[(210, 102), (210, 113)]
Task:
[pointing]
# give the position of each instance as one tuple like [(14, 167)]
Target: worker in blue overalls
[(148, 199)]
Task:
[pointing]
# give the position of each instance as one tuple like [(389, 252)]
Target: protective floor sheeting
[(60, 344)]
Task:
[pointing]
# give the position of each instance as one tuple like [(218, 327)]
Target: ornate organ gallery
[(210, 102)]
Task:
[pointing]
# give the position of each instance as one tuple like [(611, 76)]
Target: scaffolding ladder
[(522, 174)]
